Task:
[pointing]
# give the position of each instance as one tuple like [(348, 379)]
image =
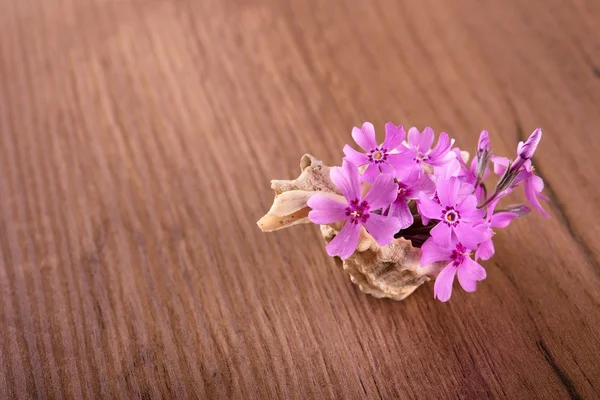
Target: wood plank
[(137, 141)]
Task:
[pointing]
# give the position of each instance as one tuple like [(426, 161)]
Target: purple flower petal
[(447, 170), (425, 185), (428, 207), (409, 176), (502, 219), (469, 235), (443, 160), (531, 193), (484, 142), (469, 272), (500, 164), (386, 169), (426, 139), (485, 251), (433, 252), (442, 289), (355, 157), (371, 173), (480, 194), (414, 137), (394, 135), (382, 193), (468, 209), (347, 179), (447, 190), (345, 242), (382, 228), (537, 183), (441, 148), (365, 136), (442, 234), (326, 210), (464, 190), (527, 149), (400, 210), (406, 159)]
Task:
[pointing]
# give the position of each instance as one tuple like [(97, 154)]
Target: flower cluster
[(431, 195)]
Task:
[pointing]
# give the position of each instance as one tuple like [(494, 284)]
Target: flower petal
[(424, 185), (382, 193), (526, 150), (480, 194), (347, 179), (382, 228), (426, 139), (441, 148), (326, 210), (500, 164), (428, 207), (365, 136), (464, 190), (469, 235), (442, 234), (386, 168), (345, 242), (469, 272), (532, 197), (403, 159), (414, 137), (468, 209), (537, 183), (394, 135), (433, 252), (371, 173), (502, 219), (443, 160), (442, 289), (448, 170), (447, 190), (400, 210), (355, 157), (485, 251)]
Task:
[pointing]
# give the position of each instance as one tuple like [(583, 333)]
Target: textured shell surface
[(390, 271)]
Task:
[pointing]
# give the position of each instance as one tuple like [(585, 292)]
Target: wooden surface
[(137, 142)]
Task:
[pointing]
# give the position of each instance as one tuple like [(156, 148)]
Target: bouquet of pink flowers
[(431, 196)]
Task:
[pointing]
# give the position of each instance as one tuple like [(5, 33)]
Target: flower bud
[(519, 209), (527, 149), (484, 143), (483, 155)]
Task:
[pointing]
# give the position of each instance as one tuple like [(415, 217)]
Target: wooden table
[(137, 142)]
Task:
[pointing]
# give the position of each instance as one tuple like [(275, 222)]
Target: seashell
[(391, 271)]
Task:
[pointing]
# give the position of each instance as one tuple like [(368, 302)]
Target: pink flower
[(379, 158), (469, 272), (502, 219), (355, 211), (483, 145), (410, 183), (450, 170), (533, 184), (458, 216), (419, 150), (527, 150)]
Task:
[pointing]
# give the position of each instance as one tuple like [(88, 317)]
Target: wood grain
[(137, 141)]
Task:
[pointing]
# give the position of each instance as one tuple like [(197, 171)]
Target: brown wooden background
[(137, 142)]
